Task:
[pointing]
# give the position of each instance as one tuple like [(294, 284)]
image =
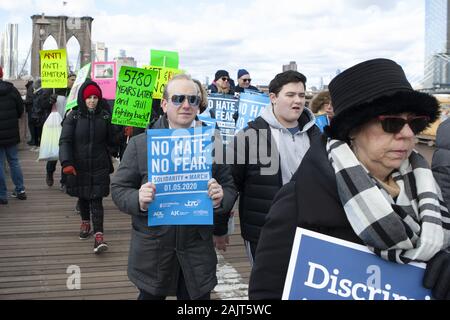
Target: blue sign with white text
[(322, 121), (224, 107), (327, 268), (179, 164), (250, 107)]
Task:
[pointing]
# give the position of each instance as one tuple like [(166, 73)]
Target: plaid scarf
[(414, 226)]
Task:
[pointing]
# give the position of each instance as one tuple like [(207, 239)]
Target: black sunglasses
[(395, 124), (178, 99), (224, 79), (247, 80)]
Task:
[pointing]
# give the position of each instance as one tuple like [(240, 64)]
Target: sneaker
[(3, 201), (85, 230), (49, 179), (99, 245), (21, 195)]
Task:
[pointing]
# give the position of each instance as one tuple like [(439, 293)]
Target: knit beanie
[(221, 73), (242, 72), (91, 90)]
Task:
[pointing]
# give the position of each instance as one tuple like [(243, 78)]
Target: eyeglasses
[(178, 99), (395, 124), (247, 80), (224, 79)]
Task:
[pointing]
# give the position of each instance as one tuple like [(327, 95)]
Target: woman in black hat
[(364, 183)]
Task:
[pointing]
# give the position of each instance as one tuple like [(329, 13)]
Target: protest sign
[(82, 75), (223, 107), (179, 164), (164, 76), (326, 268), (53, 68), (162, 58), (322, 121), (250, 107), (104, 74), (133, 105)]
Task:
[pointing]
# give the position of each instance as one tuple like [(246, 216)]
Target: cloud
[(321, 36)]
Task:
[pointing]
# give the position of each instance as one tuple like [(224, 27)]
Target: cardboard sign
[(179, 164), (326, 268), (223, 106), (250, 107), (162, 58), (54, 68), (82, 75), (164, 76), (105, 75), (133, 105), (322, 120)]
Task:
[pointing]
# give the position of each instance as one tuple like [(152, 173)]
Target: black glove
[(437, 275), (53, 99)]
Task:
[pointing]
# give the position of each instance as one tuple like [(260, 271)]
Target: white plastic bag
[(49, 149)]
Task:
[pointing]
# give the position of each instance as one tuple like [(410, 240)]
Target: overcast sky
[(322, 36)]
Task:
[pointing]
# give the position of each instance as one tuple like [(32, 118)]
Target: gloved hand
[(128, 131), (70, 170), (437, 275), (53, 99)]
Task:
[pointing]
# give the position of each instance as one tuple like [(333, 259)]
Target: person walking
[(86, 161), (11, 109)]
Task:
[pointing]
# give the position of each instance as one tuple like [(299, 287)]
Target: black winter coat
[(441, 160), (310, 201), (11, 109), (157, 253), (84, 142), (257, 191)]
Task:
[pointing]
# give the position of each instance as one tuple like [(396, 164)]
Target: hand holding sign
[(146, 195), (215, 192)]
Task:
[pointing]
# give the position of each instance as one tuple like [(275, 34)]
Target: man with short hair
[(285, 129), (177, 259), (244, 81), (11, 109)]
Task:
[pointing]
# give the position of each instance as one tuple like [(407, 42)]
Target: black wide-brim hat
[(371, 88)]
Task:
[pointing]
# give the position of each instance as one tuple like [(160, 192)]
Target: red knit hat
[(1, 72), (91, 90)]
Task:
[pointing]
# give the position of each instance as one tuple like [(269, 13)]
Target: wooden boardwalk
[(39, 246)]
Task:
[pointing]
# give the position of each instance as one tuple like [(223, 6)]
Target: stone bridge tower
[(62, 28)]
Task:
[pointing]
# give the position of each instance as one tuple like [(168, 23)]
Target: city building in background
[(291, 66), (99, 52), (437, 58), (123, 60), (9, 53)]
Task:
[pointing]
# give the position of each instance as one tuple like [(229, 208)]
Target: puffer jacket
[(440, 164), (84, 142), (11, 109)]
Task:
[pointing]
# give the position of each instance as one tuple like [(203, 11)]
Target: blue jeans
[(10, 152)]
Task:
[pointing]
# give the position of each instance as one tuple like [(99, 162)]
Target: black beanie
[(373, 88), (220, 74)]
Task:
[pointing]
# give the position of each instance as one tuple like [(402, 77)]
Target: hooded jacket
[(157, 253), (258, 174), (11, 109), (84, 142), (441, 160)]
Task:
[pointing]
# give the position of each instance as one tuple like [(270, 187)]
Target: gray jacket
[(441, 160), (157, 253)]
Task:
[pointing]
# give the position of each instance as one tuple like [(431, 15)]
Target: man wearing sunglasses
[(169, 260), (244, 82)]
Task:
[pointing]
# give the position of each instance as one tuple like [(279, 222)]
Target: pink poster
[(104, 73)]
